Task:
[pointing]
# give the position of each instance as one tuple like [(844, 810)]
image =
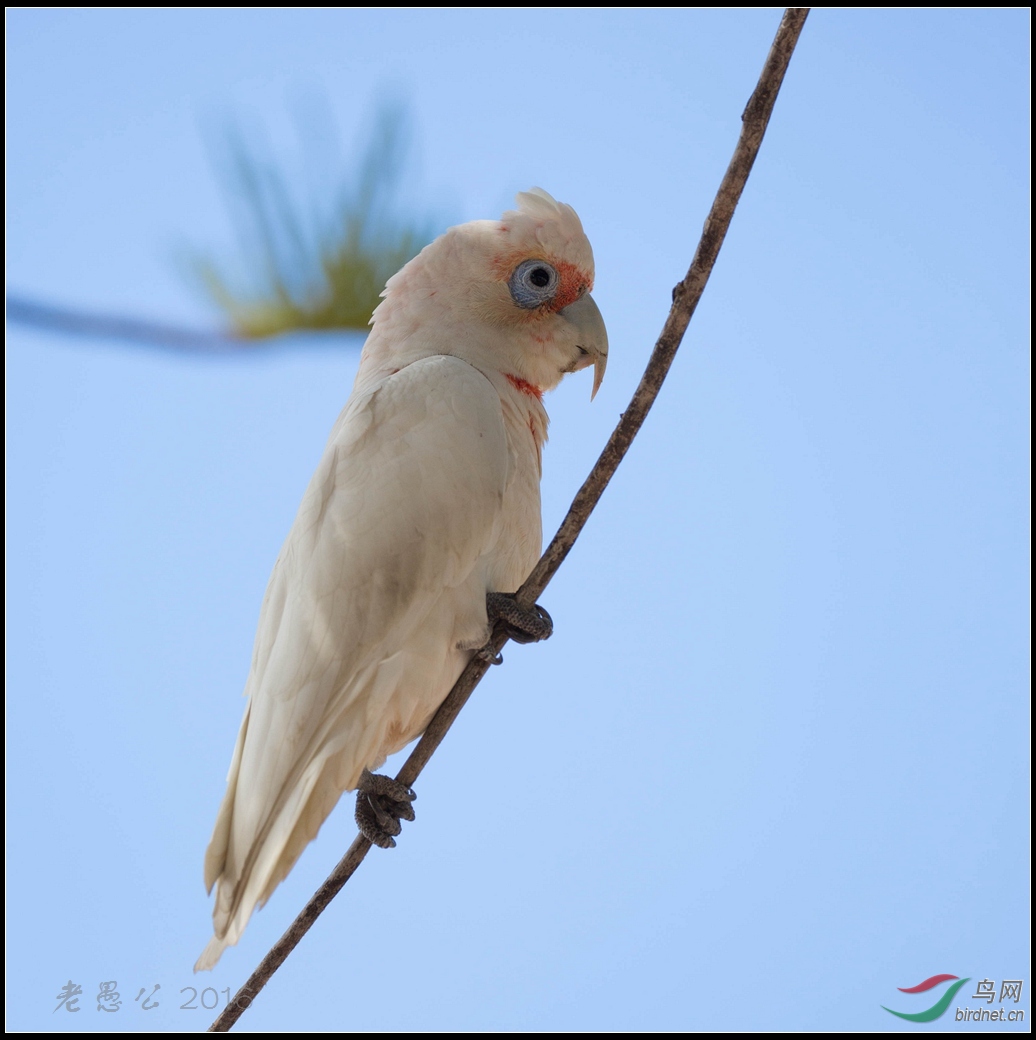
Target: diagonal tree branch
[(686, 295)]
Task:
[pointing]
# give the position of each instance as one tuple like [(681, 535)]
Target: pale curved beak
[(592, 336)]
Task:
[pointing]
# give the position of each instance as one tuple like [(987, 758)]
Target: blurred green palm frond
[(320, 265)]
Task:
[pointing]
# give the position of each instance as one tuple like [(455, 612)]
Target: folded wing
[(380, 577)]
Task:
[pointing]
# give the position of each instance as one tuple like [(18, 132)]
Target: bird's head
[(512, 295)]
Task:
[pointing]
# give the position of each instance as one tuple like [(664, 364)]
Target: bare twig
[(67, 320), (685, 299)]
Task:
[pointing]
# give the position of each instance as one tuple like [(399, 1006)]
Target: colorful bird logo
[(938, 1007)]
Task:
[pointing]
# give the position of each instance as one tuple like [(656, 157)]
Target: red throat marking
[(525, 387)]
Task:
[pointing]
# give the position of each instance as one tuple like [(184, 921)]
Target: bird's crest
[(553, 225)]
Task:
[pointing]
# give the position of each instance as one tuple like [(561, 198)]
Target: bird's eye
[(533, 284)]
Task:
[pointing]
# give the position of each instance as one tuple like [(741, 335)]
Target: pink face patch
[(573, 283)]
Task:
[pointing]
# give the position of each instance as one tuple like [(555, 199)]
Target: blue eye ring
[(534, 283)]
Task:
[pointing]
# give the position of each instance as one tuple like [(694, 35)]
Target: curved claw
[(486, 654)]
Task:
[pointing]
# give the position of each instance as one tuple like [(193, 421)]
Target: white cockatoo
[(424, 509)]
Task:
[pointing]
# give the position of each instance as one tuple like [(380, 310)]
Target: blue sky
[(773, 764)]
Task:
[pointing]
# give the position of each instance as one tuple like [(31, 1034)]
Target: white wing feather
[(383, 574)]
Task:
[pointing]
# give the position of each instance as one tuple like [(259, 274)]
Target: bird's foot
[(523, 626), (381, 803)]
